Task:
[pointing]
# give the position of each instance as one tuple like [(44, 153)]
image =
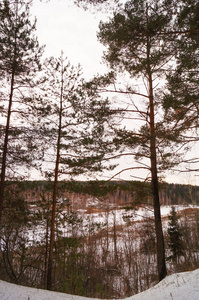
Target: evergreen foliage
[(19, 61), (182, 95), (69, 107), (175, 236)]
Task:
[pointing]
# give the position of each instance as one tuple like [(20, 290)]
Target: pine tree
[(175, 236), (170, 33), (19, 61), (72, 120), (139, 48)]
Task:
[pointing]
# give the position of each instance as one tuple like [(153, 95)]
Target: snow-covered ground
[(137, 215), (181, 286), (119, 216)]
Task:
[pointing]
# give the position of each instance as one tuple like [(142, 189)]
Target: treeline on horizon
[(170, 193)]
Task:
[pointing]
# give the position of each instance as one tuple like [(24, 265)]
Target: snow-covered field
[(181, 286)]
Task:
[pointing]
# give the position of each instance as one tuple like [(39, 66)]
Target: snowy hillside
[(181, 286)]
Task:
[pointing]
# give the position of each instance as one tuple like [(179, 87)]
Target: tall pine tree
[(139, 47), (19, 62), (73, 121)]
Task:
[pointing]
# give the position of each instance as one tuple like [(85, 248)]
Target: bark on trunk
[(52, 232), (162, 272), (5, 147), (161, 262), (54, 202), (6, 138)]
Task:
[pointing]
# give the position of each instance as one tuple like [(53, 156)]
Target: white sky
[(61, 25)]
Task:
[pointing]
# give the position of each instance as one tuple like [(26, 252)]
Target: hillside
[(113, 249), (114, 192)]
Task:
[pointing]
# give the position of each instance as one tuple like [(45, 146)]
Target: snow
[(118, 216), (181, 286), (137, 215)]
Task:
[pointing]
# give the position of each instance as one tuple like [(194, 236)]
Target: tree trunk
[(115, 239), (5, 146), (52, 230), (54, 202), (161, 262), (162, 272)]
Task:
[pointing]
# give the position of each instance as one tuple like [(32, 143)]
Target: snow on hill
[(181, 286)]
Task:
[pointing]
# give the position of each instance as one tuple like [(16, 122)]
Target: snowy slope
[(181, 286)]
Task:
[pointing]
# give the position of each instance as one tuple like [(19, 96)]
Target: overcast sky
[(61, 25)]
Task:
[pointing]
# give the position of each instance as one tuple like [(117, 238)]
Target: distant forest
[(134, 193)]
